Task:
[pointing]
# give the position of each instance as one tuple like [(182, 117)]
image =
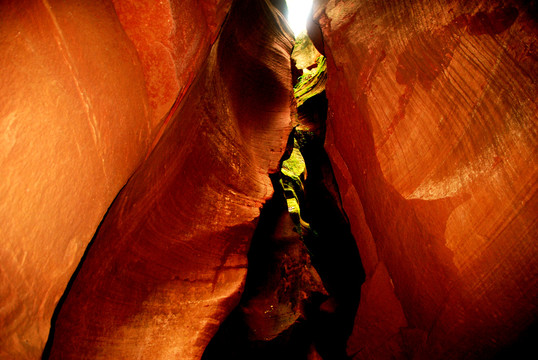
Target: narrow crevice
[(333, 251), (271, 319), (304, 277)]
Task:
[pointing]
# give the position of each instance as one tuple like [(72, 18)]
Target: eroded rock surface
[(82, 106), (304, 52), (169, 261), (172, 39), (282, 282), (432, 134), (74, 122)]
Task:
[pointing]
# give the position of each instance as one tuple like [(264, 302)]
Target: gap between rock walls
[(304, 276), (139, 137)]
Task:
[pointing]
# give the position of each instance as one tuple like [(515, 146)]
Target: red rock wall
[(77, 116), (172, 39), (169, 261), (74, 125), (431, 131), (432, 134)]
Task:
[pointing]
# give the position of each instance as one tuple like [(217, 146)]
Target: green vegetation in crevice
[(302, 230), (308, 86), (293, 174), (328, 238), (315, 207), (312, 82)]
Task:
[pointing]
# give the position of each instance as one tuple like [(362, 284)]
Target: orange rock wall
[(432, 134), (169, 261), (172, 39), (77, 116), (74, 125)]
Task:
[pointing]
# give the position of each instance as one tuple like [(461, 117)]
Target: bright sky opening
[(298, 11)]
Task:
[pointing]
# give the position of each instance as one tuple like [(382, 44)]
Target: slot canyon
[(189, 179)]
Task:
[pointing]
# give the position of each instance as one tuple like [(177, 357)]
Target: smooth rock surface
[(74, 125), (81, 108), (432, 134), (304, 52), (169, 261)]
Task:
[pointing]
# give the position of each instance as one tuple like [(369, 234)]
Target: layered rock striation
[(87, 93), (169, 260), (432, 135)]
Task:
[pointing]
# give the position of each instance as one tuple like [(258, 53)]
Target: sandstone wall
[(169, 261), (432, 134), (81, 106)]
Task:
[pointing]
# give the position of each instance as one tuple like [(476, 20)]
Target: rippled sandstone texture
[(432, 135), (169, 261), (431, 131), (78, 115)]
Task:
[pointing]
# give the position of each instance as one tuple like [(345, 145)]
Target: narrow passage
[(304, 276)]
